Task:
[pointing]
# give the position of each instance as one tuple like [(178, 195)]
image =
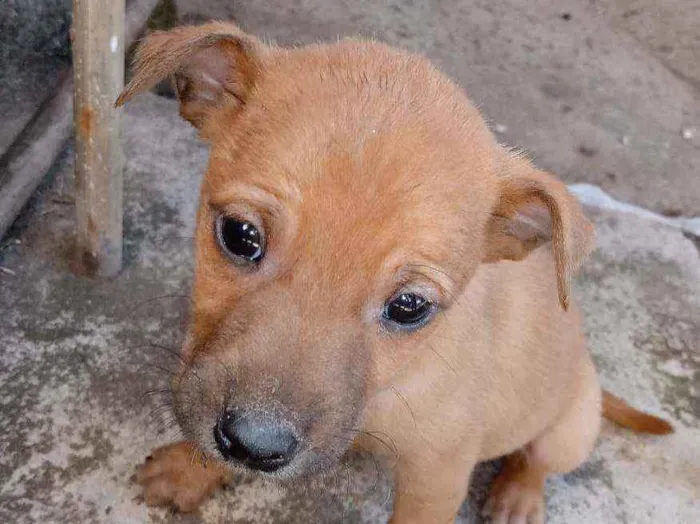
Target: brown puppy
[(369, 258)]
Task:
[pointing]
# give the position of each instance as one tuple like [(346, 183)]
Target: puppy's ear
[(212, 66), (534, 208)]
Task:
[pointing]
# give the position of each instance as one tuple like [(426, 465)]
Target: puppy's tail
[(620, 412)]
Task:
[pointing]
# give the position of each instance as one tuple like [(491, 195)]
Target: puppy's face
[(351, 193)]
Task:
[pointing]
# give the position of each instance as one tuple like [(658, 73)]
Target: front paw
[(513, 500), (178, 475)]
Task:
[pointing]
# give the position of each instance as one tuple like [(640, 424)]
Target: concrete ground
[(79, 358), (33, 52), (601, 91)]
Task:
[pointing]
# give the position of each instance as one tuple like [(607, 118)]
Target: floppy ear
[(534, 208), (212, 66)]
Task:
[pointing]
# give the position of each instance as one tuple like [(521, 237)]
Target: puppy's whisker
[(344, 439), (394, 450), (172, 352), (337, 492), (315, 403), (153, 392), (375, 463), (447, 362), (405, 403), (161, 409), (164, 427), (167, 423), (157, 391), (347, 484), (162, 369), (163, 415), (172, 237), (173, 435), (365, 452), (324, 474), (378, 471), (227, 369), (185, 369), (167, 349), (135, 307), (355, 432)]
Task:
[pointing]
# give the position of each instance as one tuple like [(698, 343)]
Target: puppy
[(369, 261)]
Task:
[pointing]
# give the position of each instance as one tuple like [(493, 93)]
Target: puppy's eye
[(408, 310), (240, 239)]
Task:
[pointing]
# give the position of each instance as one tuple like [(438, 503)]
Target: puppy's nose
[(261, 444)]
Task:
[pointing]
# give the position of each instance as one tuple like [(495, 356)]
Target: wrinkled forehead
[(360, 99), (361, 172)]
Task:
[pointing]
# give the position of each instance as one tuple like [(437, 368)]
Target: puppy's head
[(351, 193)]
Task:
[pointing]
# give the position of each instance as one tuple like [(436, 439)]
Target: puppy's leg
[(177, 475), (516, 495), (430, 489)]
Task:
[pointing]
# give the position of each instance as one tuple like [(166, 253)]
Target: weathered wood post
[(98, 65)]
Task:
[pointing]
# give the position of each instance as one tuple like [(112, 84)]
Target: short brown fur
[(370, 172)]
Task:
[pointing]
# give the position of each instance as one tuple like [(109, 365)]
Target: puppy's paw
[(513, 499), (177, 475)]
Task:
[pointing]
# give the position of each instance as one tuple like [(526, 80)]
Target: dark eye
[(408, 310), (240, 239)]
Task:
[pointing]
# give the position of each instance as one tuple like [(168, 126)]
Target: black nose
[(261, 444)]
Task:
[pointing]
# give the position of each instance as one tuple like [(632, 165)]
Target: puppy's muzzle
[(256, 441)]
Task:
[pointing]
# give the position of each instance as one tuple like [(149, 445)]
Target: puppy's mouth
[(262, 444), (257, 423)]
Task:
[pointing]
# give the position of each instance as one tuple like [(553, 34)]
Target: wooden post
[(98, 65)]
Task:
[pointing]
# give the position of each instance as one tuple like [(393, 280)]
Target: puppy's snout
[(258, 442)]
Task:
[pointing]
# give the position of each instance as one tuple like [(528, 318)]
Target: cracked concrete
[(82, 362)]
